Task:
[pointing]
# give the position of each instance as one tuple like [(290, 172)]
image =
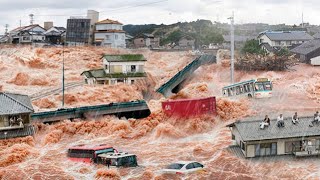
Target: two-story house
[(146, 40), (27, 34), (109, 33), (55, 35), (283, 39), (125, 68)]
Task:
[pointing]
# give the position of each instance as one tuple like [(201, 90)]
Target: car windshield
[(175, 166)]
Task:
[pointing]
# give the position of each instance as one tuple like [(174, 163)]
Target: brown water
[(156, 140)]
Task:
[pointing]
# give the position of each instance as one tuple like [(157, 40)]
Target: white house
[(283, 38), (109, 33), (125, 68), (27, 34)]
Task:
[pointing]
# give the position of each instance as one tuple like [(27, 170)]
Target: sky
[(159, 11)]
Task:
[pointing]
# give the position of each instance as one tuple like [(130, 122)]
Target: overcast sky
[(159, 11)]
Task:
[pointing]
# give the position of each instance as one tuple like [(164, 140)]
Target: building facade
[(292, 139), (126, 68), (109, 33), (78, 31), (55, 35), (146, 40), (187, 42), (285, 39), (308, 50), (27, 35)]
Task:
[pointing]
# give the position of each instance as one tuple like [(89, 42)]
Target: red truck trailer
[(190, 107)]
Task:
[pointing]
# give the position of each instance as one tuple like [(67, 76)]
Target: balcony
[(304, 151)]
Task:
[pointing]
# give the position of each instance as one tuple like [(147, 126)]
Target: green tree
[(283, 52), (252, 47)]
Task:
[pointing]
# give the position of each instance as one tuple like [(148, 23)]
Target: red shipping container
[(190, 107)]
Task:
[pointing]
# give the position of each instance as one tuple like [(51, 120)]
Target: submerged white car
[(183, 167)]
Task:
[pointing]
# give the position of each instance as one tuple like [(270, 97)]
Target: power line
[(112, 10)]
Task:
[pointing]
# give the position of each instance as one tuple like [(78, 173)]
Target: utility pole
[(302, 21), (6, 30), (31, 23), (232, 46), (62, 76)]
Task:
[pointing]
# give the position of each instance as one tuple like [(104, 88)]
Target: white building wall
[(125, 65), (265, 39), (115, 40), (281, 147), (250, 151), (103, 27)]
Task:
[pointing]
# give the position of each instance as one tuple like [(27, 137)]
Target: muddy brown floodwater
[(156, 140)]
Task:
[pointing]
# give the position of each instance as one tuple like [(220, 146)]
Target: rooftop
[(250, 130), (287, 35), (124, 57), (14, 104), (109, 21), (238, 38), (307, 47)]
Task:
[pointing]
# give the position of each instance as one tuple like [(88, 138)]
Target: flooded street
[(156, 140)]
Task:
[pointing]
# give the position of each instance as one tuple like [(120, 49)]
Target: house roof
[(250, 131), (14, 104), (287, 35), (124, 57), (26, 28), (96, 73), (111, 31), (109, 21), (307, 47), (317, 35), (267, 46)]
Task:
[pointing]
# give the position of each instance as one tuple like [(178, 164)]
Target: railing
[(305, 150)]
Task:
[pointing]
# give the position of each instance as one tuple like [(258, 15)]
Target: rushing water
[(157, 140)]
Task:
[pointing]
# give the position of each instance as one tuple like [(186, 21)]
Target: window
[(233, 137), (293, 146), (197, 165), (106, 66), (107, 37), (175, 166), (266, 149), (190, 166), (82, 24), (133, 68), (259, 87), (116, 36), (268, 86), (242, 146)]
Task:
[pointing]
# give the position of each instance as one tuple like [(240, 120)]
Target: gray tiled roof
[(14, 104), (307, 47), (288, 35), (250, 130)]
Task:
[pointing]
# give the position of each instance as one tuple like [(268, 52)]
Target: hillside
[(203, 31)]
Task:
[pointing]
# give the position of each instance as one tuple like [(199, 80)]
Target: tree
[(252, 47), (283, 52)]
